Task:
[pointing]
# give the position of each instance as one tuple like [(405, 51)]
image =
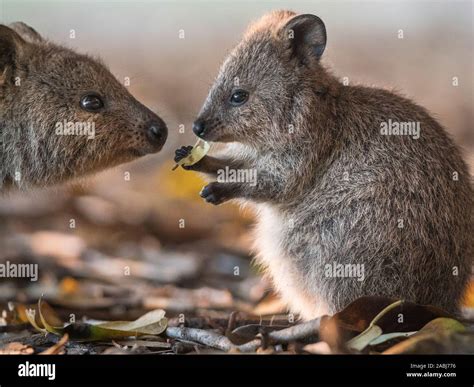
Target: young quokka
[(346, 207), (64, 115)]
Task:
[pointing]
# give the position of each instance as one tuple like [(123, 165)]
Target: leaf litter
[(129, 279)]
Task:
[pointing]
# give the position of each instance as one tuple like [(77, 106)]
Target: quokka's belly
[(287, 280)]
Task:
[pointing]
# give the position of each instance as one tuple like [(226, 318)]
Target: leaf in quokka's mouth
[(151, 323), (198, 152)]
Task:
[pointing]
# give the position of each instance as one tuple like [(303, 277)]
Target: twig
[(285, 336), (56, 348), (215, 340), (209, 338), (296, 332)]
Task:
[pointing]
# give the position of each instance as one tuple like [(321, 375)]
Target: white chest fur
[(287, 280)]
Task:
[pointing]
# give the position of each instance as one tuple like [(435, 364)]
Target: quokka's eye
[(92, 102), (239, 97)]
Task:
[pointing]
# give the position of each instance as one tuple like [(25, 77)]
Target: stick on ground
[(215, 340)]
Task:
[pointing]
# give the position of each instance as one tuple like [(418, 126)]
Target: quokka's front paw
[(214, 193), (182, 153)]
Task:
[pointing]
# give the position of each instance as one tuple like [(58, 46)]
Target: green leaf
[(441, 335), (443, 324)]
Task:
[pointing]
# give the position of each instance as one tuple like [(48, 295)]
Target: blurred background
[(111, 247)]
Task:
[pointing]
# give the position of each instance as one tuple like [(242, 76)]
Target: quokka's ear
[(307, 37), (11, 46), (26, 32)]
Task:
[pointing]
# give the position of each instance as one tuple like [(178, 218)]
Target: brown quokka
[(64, 115), (359, 191)]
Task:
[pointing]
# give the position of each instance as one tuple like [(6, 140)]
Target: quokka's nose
[(157, 132), (199, 127)]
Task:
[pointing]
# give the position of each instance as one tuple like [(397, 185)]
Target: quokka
[(332, 190)]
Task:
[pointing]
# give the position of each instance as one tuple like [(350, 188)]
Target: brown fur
[(332, 189), (41, 84)]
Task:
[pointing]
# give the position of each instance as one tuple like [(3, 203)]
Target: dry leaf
[(199, 150), (372, 332), (151, 323), (356, 318)]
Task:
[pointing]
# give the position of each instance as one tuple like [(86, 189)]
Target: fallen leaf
[(372, 332), (18, 313), (435, 343), (41, 316), (357, 316), (151, 323), (443, 324), (441, 335)]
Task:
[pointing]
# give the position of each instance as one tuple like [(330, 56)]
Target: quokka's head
[(72, 116), (268, 80)]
